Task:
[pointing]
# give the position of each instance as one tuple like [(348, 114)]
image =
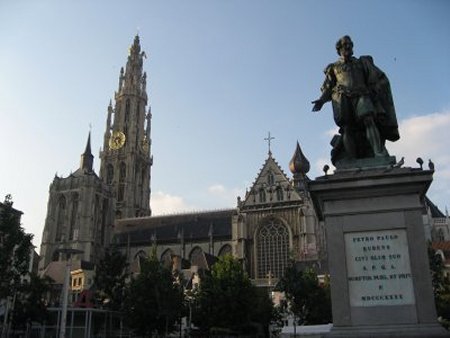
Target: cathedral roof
[(172, 228)]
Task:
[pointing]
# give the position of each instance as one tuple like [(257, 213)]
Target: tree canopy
[(15, 246), (30, 305), (309, 302), (154, 300), (110, 279), (441, 286), (227, 299)]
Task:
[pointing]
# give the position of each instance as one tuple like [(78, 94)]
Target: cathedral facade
[(273, 224)]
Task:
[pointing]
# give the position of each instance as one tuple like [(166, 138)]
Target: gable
[(271, 186)]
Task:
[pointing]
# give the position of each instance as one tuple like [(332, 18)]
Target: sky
[(221, 76)]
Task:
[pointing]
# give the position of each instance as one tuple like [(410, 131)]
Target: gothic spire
[(134, 79), (87, 159)]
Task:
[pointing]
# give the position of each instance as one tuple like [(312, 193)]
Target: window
[(73, 217), (272, 245), (196, 257), (123, 172), (280, 193), (122, 176), (166, 258), (127, 111), (270, 178), (262, 195), (440, 235), (225, 250), (109, 173), (60, 218)]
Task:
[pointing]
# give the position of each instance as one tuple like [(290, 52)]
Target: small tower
[(125, 158)]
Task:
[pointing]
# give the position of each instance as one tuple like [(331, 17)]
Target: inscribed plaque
[(378, 268)]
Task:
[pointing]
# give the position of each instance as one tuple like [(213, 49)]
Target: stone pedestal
[(377, 254)]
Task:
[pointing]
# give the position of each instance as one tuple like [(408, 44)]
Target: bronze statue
[(362, 105)]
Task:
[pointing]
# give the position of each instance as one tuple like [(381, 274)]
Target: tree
[(441, 286), (110, 279), (30, 305), (227, 300), (309, 302), (15, 246), (154, 300)]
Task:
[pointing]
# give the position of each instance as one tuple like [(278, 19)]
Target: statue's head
[(344, 42)]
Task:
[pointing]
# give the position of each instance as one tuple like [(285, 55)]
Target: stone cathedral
[(274, 222)]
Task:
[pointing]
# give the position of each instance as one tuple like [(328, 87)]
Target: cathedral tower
[(79, 214), (125, 159)]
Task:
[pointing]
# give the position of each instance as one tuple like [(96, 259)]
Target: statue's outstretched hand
[(317, 105)]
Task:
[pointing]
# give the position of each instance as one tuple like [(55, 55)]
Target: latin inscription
[(378, 268)]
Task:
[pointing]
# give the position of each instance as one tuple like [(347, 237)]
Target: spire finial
[(299, 164), (269, 139), (87, 159)]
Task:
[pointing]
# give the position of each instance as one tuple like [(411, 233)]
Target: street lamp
[(65, 291)]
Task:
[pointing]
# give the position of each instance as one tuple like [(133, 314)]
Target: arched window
[(60, 218), (280, 196), (262, 195), (127, 111), (109, 173), (73, 217), (225, 250), (122, 172), (166, 258), (272, 245), (196, 257), (122, 176), (270, 178), (140, 254)]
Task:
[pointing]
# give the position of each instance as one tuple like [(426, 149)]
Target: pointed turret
[(87, 159), (299, 167)]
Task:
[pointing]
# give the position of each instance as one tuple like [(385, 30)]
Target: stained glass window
[(272, 249)]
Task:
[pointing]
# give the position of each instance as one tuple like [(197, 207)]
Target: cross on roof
[(269, 139)]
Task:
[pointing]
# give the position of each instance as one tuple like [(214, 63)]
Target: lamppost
[(65, 291)]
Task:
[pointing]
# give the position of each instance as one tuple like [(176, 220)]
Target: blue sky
[(221, 75)]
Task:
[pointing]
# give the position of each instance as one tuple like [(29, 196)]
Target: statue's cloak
[(380, 92)]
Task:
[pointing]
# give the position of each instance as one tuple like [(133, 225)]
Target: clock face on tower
[(117, 140)]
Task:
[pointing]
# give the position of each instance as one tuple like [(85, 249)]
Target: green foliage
[(30, 305), (154, 301), (441, 286), (227, 299), (15, 246), (308, 301), (110, 279)]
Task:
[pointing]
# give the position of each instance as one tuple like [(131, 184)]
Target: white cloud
[(333, 131), (162, 203), (224, 195), (217, 189), (428, 137)]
